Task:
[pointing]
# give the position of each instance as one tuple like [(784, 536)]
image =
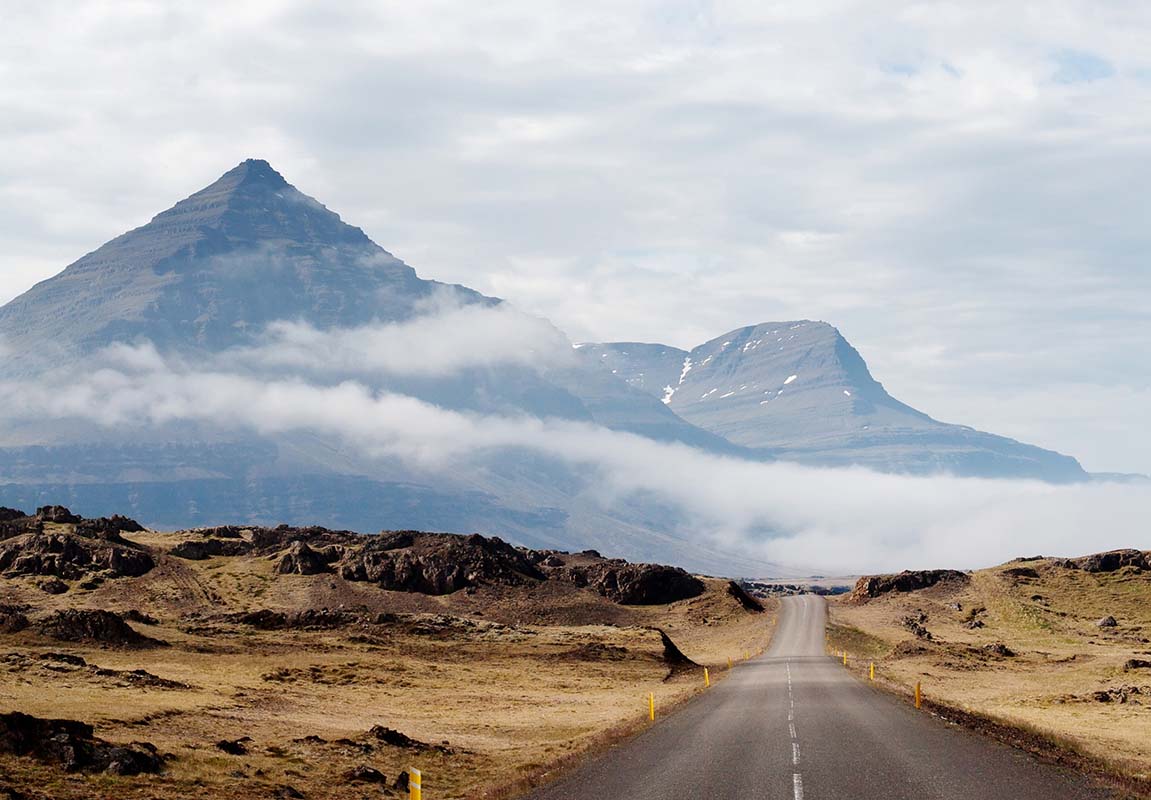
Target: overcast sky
[(960, 187)]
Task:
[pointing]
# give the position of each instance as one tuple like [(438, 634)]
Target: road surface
[(793, 724)]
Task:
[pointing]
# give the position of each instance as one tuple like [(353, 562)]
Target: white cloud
[(444, 340), (844, 520)]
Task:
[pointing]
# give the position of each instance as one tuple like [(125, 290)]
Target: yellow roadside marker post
[(871, 672), (918, 694), (706, 678), (415, 790), (651, 706), (845, 658), (729, 662)]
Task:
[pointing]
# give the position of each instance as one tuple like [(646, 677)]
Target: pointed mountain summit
[(212, 270), (801, 391)]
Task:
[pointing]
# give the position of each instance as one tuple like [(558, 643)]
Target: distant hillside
[(800, 391)]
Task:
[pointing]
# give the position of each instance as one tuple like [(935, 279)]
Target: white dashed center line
[(797, 779)]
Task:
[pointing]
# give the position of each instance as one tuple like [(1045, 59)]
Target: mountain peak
[(254, 171), (215, 269), (801, 391)]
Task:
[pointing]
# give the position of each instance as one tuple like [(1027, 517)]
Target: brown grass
[(513, 695), (1043, 697)]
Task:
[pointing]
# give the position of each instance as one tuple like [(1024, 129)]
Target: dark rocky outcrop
[(73, 746), (1026, 573), (234, 747), (69, 556), (743, 598), (871, 586), (379, 734), (102, 627), (1107, 622), (57, 514), (15, 523), (53, 586), (67, 663), (1120, 694), (999, 649), (916, 624), (300, 559), (672, 655), (632, 584), (312, 619), (108, 528), (12, 619), (437, 564), (90, 547), (1109, 561), (362, 773), (201, 549), (11, 514), (270, 540)]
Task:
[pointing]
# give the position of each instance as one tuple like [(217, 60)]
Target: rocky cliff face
[(800, 391)]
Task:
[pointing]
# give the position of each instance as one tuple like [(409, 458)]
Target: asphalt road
[(793, 724)]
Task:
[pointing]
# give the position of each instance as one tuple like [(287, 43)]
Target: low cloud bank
[(836, 520), (449, 338)]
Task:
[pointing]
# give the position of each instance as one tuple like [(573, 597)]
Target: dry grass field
[(1020, 643), (498, 685)]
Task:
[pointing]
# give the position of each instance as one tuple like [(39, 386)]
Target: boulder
[(362, 773), (201, 549), (1108, 562), (57, 514), (234, 747), (1107, 622), (300, 559)]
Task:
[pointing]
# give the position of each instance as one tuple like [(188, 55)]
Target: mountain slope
[(203, 281), (801, 391), (213, 271)]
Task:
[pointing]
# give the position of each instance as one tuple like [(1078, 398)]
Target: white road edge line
[(797, 782), (795, 753)]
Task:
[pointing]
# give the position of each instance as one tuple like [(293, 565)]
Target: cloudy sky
[(958, 186)]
